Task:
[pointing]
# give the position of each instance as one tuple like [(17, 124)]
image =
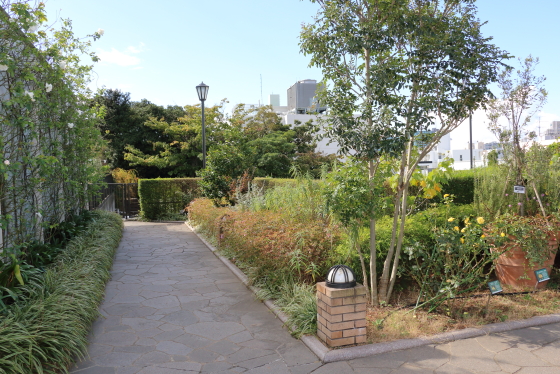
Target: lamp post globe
[(202, 91)]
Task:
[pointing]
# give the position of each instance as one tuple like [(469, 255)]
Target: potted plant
[(529, 243)]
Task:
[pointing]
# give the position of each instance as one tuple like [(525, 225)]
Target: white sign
[(518, 189)]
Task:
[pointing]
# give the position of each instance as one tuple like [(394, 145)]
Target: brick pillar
[(341, 315)]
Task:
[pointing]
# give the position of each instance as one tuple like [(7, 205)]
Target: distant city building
[(301, 98), (274, 100), (553, 132)]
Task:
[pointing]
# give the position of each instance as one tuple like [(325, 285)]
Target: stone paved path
[(172, 307)]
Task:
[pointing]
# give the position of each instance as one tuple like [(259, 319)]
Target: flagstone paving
[(173, 307)]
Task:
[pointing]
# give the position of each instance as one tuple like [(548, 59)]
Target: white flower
[(101, 31), (39, 215), (62, 64), (48, 87), (30, 94), (3, 67), (70, 125), (6, 162), (33, 28)]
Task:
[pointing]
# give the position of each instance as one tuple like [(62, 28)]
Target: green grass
[(46, 330)]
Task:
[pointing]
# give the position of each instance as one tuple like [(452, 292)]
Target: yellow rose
[(502, 235), (451, 219), (456, 228), (446, 195), (480, 220), (467, 220), (463, 229), (462, 240), (483, 236)]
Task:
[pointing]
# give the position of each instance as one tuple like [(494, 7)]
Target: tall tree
[(392, 70)]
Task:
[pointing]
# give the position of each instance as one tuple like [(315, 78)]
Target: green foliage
[(299, 199), (49, 137), (165, 198), (177, 148), (298, 301), (461, 186), (47, 329), (418, 233), (351, 196), (404, 66), (533, 234), (272, 244), (459, 261), (493, 158), (520, 98)]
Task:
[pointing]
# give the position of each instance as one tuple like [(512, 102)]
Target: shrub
[(461, 186), (267, 243), (418, 232), (47, 329), (166, 197)]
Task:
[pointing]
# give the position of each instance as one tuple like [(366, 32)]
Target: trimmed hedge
[(46, 330), (165, 197), (461, 184)]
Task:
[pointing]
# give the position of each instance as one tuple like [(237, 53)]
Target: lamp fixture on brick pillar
[(341, 276)]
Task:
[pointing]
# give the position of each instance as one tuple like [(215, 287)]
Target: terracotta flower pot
[(512, 268)]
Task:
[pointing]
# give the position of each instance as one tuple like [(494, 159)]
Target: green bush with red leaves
[(268, 245)]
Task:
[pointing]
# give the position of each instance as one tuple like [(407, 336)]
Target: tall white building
[(553, 132)]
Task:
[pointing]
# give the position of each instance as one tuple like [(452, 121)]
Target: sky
[(247, 49)]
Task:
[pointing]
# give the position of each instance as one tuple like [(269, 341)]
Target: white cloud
[(117, 57)]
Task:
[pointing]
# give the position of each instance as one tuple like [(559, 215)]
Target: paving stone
[(117, 338), (494, 343), (390, 360), (215, 330), (430, 357), (97, 370), (152, 358), (203, 355), (293, 355), (216, 367), (248, 354), (173, 348), (116, 359), (225, 347), (519, 357), (468, 354), (139, 324)]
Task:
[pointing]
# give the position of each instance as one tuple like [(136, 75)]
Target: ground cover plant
[(46, 328)]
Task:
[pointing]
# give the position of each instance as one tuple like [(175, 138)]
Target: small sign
[(541, 275), (518, 189), (495, 287)]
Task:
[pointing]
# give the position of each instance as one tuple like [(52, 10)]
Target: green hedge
[(273, 182), (165, 198), (461, 185), (46, 330)]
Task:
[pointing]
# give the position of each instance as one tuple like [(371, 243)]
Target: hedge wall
[(166, 197), (461, 185)]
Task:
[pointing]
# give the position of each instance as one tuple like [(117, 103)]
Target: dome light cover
[(341, 276)]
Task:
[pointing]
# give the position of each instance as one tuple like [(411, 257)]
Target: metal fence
[(121, 198)]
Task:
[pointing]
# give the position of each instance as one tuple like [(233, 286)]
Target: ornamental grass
[(46, 330)]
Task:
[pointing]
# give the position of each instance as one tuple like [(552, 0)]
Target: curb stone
[(327, 355)]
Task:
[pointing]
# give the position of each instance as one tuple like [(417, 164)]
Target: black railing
[(121, 198)]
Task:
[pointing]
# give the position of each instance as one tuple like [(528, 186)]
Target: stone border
[(327, 355)]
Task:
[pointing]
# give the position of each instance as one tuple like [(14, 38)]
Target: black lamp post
[(202, 91)]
